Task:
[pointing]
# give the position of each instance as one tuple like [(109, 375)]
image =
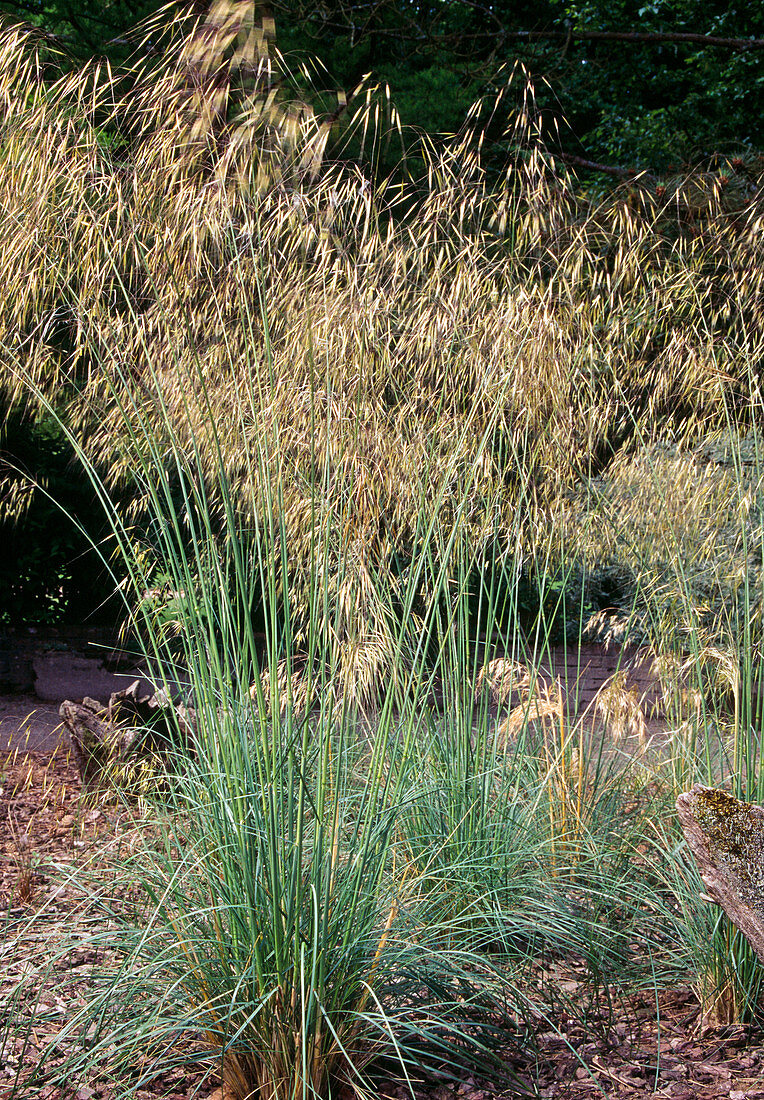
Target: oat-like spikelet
[(538, 704), (621, 708), (501, 678)]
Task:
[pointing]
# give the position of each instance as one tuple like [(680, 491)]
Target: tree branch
[(608, 169), (647, 37)]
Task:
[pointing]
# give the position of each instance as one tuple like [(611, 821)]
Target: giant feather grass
[(277, 929), (327, 403)]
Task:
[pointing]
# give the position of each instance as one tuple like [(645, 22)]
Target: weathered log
[(726, 837), (128, 728)]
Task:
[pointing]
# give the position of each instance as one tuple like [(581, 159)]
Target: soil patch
[(29, 724)]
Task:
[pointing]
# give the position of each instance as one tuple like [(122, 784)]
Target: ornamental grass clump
[(276, 940), (277, 932), (274, 933)]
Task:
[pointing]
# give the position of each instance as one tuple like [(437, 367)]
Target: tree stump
[(129, 728), (726, 837)]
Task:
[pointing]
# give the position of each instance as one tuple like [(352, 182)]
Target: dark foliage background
[(651, 102), (48, 570)]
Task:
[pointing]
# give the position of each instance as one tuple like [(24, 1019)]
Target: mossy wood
[(130, 725), (726, 837)]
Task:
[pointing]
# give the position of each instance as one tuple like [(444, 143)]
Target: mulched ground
[(48, 826)]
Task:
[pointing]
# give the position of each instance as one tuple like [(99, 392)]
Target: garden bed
[(54, 836)]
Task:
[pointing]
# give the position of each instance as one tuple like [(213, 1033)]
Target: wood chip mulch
[(659, 1051)]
